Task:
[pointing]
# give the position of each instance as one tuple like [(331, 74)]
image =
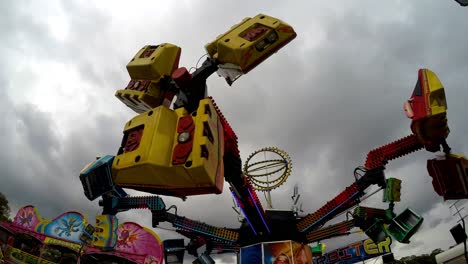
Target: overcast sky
[(327, 98)]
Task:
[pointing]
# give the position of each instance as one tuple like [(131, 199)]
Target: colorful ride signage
[(278, 252), (355, 252), (71, 245)]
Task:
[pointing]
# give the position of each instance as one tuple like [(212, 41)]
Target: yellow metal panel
[(250, 42), (436, 100), (154, 62), (141, 99), (148, 165), (208, 138), (431, 125), (105, 235)]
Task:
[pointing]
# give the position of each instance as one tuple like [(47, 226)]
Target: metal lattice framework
[(268, 174)]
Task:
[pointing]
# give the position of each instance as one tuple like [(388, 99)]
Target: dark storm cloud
[(27, 141), (38, 168), (37, 130), (31, 172), (39, 172)]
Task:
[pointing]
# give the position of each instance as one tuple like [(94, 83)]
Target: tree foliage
[(4, 208), (422, 259)]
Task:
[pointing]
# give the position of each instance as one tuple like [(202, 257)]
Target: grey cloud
[(31, 172), (435, 223), (36, 128)]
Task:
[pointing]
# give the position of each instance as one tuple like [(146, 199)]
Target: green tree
[(4, 209), (422, 259), (436, 251)]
